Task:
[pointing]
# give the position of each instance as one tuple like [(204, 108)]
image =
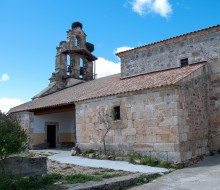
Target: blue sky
[(31, 30)]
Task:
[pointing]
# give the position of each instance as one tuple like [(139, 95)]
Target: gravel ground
[(70, 169)]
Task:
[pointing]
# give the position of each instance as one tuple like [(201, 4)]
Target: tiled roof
[(108, 86), (187, 34)]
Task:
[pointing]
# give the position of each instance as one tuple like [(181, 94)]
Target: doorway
[(51, 136)]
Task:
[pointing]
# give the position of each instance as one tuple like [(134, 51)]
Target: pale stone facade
[(169, 123), (197, 47), (168, 97), (149, 123)]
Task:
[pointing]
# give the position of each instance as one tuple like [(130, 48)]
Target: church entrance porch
[(53, 128)]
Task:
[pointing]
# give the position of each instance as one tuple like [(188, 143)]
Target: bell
[(69, 69), (81, 71)]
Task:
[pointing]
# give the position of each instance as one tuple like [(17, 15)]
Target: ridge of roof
[(110, 86), (186, 34)]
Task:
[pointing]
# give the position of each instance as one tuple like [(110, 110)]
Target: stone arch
[(78, 41)]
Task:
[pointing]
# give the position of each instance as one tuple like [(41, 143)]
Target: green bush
[(13, 139)]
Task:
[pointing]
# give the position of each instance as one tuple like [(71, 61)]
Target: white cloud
[(124, 48), (161, 7), (7, 103), (4, 77), (105, 67)]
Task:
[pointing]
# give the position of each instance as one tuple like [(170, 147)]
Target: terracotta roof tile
[(108, 86)]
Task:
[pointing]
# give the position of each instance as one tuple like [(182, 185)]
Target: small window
[(184, 62), (117, 113)]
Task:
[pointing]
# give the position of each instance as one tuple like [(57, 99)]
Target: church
[(165, 102)]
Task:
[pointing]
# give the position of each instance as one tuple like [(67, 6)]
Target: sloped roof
[(175, 37), (108, 86)]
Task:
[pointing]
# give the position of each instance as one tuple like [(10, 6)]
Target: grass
[(47, 181), (85, 152), (148, 160), (26, 183), (164, 164), (81, 178)]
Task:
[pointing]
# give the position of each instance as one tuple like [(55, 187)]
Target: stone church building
[(164, 103)]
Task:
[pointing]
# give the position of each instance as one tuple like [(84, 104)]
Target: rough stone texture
[(25, 119), (198, 47), (194, 115), (148, 124), (26, 166), (173, 123), (199, 122), (214, 104)]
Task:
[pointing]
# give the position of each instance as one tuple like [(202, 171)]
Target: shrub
[(13, 139)]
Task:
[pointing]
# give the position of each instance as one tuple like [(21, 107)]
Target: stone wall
[(26, 166), (193, 114), (197, 47), (25, 119), (148, 124), (214, 103), (200, 46)]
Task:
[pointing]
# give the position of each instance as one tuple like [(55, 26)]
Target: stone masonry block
[(119, 139), (128, 131), (164, 147), (174, 156), (162, 156), (169, 121), (117, 132), (142, 147)]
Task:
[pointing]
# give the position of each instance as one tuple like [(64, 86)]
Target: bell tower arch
[(74, 58)]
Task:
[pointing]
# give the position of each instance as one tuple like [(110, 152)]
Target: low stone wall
[(26, 166)]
